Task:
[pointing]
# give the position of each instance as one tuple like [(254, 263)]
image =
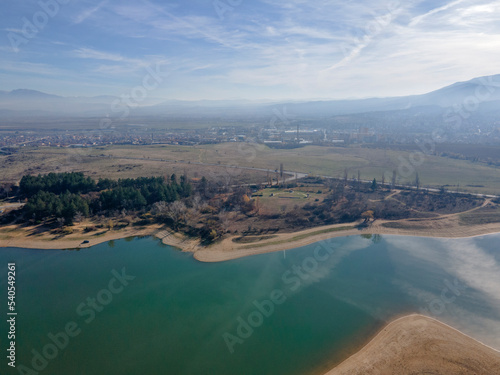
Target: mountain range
[(478, 94)]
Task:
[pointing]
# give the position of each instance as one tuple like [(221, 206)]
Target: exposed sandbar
[(416, 344)]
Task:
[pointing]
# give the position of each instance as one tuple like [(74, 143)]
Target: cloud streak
[(292, 50), (416, 20), (89, 12)]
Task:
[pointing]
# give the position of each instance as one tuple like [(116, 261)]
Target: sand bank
[(445, 226), (36, 238), (416, 344)]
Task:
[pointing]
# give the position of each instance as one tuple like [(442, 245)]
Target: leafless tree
[(177, 212), (225, 220), (78, 217), (228, 180), (197, 202), (60, 221), (160, 210)]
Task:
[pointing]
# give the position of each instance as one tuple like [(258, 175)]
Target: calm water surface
[(293, 312)]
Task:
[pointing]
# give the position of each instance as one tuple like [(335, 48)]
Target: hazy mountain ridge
[(483, 92)]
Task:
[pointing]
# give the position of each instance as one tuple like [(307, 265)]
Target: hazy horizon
[(243, 99)]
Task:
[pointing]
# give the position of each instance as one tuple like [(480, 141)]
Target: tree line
[(66, 195), (56, 183)]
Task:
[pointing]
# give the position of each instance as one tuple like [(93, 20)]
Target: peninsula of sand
[(416, 344)]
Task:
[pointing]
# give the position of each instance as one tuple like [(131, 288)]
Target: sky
[(246, 49)]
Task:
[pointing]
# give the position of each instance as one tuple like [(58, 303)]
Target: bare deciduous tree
[(177, 212), (160, 210), (197, 202), (78, 217), (225, 220)]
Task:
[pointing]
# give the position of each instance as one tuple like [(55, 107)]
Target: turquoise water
[(302, 310)]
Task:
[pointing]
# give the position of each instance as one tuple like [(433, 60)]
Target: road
[(414, 187), (294, 174)]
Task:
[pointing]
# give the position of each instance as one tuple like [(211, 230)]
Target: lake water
[(138, 307)]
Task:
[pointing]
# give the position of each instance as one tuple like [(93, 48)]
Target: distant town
[(290, 136)]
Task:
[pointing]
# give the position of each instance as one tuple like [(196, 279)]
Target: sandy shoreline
[(14, 236), (227, 249), (416, 344), (443, 227)]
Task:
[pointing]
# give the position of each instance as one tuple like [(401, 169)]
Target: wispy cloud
[(30, 68), (294, 49), (419, 18), (89, 12), (88, 53)]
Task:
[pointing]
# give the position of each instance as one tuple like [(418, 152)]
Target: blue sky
[(243, 49)]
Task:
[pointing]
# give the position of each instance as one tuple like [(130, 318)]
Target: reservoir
[(136, 306)]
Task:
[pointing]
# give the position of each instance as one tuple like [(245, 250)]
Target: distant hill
[(31, 94), (482, 90)]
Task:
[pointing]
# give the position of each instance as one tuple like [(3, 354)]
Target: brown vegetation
[(251, 214)]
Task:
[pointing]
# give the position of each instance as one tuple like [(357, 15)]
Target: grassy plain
[(133, 161), (123, 163)]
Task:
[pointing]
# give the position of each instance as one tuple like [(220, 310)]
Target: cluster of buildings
[(273, 136)]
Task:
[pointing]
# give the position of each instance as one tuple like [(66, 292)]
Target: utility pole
[(281, 174)]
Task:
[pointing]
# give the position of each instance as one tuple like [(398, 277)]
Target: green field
[(119, 161)]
